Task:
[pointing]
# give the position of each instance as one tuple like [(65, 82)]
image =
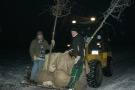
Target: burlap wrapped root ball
[(60, 65), (58, 61), (64, 62), (61, 78), (43, 76), (51, 63)]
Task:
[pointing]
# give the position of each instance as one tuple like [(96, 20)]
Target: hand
[(53, 42), (77, 59), (35, 58)]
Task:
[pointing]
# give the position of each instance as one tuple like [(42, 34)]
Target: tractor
[(98, 52)]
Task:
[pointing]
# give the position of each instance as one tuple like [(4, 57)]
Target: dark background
[(19, 22)]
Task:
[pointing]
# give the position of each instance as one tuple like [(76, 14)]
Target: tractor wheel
[(94, 78), (108, 70)]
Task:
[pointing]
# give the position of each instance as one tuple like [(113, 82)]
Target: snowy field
[(14, 65)]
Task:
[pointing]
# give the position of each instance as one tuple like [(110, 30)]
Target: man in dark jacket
[(37, 51), (77, 47)]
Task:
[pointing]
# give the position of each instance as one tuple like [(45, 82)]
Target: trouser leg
[(39, 66), (75, 76), (81, 84), (34, 71)]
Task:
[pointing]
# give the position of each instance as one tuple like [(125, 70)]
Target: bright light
[(98, 43), (68, 45), (95, 52), (74, 21), (93, 19)]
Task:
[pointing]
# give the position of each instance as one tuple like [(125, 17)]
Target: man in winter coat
[(77, 47), (37, 51)]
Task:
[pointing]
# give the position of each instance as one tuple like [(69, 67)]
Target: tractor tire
[(108, 70), (94, 78)]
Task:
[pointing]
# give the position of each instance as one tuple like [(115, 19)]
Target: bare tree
[(115, 10), (60, 9)]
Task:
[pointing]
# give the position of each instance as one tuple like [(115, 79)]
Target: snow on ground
[(12, 70), (14, 66)]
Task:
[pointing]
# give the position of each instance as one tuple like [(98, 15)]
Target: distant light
[(93, 19), (68, 45), (74, 21)]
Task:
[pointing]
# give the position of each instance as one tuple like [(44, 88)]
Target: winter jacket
[(78, 47), (35, 48)]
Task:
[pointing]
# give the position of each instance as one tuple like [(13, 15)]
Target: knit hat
[(39, 33), (74, 29)]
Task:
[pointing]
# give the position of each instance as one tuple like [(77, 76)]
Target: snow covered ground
[(12, 69), (14, 66)]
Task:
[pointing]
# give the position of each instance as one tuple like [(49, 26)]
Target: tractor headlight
[(98, 44), (95, 52), (74, 22), (68, 45)]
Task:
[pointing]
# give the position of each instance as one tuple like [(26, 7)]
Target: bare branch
[(63, 6), (60, 9), (115, 10), (43, 11)]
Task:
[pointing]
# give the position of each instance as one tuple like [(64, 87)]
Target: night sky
[(19, 22)]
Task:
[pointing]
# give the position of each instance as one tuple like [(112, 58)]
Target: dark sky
[(19, 22)]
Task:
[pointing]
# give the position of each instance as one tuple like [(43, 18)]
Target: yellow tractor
[(98, 52)]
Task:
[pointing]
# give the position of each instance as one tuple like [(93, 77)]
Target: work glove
[(53, 42), (35, 58), (77, 59)]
